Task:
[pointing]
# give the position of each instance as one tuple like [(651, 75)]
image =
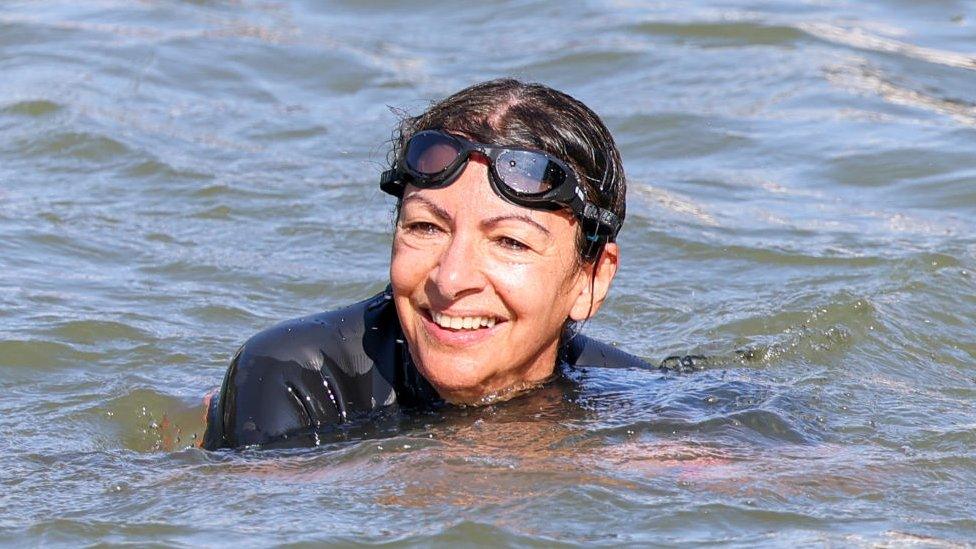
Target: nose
[(459, 269)]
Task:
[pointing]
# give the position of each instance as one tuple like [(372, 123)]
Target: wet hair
[(507, 112)]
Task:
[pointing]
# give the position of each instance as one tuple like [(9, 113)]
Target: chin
[(455, 379)]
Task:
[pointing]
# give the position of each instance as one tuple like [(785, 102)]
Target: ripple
[(290, 134), (889, 167), (466, 531), (822, 335), (724, 33), (144, 420), (673, 202), (865, 78), (77, 145), (92, 332), (954, 440), (34, 109), (325, 66), (156, 169), (735, 407), (955, 189), (62, 245), (222, 212), (862, 39), (235, 191), (42, 355), (60, 530), (675, 136), (221, 314), (591, 63)]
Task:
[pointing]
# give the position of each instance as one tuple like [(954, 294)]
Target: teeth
[(463, 322)]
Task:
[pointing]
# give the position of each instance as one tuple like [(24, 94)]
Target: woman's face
[(483, 287)]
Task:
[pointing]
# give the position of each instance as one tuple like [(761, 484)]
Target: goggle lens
[(526, 172), (430, 153)]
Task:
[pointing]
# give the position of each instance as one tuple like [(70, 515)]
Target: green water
[(175, 176)]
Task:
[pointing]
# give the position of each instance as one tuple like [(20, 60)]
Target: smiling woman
[(510, 197)]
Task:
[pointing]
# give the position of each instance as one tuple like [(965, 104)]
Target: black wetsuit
[(317, 373)]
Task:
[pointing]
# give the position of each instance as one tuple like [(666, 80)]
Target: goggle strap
[(602, 219), (391, 183)]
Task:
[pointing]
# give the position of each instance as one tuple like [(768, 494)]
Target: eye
[(511, 244), (422, 228)]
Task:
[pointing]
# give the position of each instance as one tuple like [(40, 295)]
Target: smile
[(462, 322)]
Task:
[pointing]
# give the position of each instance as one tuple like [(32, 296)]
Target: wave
[(862, 39)]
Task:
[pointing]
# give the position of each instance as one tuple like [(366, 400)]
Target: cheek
[(540, 289), (407, 267)]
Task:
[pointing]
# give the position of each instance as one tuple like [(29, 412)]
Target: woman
[(510, 197)]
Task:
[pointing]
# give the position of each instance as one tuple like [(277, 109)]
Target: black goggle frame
[(599, 224)]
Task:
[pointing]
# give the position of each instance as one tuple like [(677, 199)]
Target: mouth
[(460, 329), (462, 322)]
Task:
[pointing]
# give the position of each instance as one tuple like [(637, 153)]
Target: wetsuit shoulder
[(306, 374), (585, 351)]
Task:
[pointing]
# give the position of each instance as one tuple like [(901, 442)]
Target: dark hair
[(507, 112)]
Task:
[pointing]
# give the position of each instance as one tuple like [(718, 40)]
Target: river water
[(175, 176)]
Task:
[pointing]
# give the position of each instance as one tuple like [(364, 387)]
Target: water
[(175, 176)]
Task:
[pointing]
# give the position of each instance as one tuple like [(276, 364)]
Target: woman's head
[(483, 286), (506, 112)]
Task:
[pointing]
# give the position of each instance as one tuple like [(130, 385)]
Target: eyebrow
[(438, 212), (490, 222), (442, 214)]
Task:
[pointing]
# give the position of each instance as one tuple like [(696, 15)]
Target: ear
[(596, 283)]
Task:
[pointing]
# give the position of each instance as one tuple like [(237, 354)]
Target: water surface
[(175, 176)]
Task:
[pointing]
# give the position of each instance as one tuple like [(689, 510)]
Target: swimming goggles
[(434, 159)]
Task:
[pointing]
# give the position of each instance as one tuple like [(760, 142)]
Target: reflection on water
[(798, 256)]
